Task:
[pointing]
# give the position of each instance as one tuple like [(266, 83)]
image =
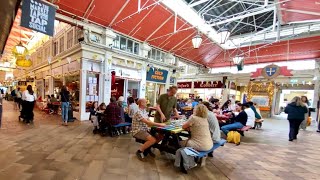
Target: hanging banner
[(184, 85), (39, 16), (157, 75), (214, 84)]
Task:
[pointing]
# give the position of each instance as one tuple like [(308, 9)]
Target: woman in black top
[(296, 113), (64, 94)]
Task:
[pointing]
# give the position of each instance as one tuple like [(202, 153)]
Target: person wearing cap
[(123, 102)]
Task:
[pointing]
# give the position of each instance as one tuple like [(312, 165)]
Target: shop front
[(125, 82), (200, 89), (156, 84)]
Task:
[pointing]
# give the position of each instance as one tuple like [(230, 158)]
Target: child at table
[(140, 123)]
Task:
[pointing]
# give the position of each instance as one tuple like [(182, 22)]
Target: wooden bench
[(202, 154), (215, 146), (116, 128)]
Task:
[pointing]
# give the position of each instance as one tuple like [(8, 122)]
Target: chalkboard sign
[(39, 16)]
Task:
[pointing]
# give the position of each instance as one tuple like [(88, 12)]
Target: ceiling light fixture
[(223, 34), (20, 48), (196, 41), (238, 59)]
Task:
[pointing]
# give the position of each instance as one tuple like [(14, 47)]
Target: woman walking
[(64, 94), (296, 114), (29, 98), (305, 101)]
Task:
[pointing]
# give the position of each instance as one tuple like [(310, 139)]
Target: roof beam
[(198, 3), (119, 12), (301, 11), (245, 15), (164, 22)]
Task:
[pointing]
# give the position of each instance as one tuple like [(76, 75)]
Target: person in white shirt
[(251, 117), (28, 98)]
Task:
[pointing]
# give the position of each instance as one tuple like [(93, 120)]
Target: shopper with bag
[(64, 94)]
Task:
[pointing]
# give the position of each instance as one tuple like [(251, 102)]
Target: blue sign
[(270, 71), (157, 75), (39, 16)]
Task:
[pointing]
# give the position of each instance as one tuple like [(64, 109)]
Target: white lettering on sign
[(183, 86), (39, 14), (208, 85)]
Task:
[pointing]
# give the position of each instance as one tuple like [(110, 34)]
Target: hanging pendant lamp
[(223, 34), (196, 41)]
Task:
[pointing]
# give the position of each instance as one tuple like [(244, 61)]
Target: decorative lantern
[(223, 34), (196, 41)]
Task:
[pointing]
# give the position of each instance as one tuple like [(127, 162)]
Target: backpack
[(233, 137), (13, 93)]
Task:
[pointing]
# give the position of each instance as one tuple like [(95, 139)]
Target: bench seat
[(215, 146), (122, 125)]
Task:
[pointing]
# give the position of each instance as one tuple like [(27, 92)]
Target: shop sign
[(22, 83), (157, 75), (272, 71), (29, 79), (128, 73), (214, 84), (184, 85), (39, 16)]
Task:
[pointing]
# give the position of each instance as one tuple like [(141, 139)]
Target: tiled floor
[(48, 150)]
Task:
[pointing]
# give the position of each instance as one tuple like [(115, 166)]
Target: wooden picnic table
[(171, 137)]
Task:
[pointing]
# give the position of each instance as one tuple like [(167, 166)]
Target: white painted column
[(83, 92), (316, 86), (107, 80), (225, 92), (144, 49), (168, 80), (143, 83)]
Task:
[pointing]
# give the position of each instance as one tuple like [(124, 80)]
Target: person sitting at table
[(258, 122), (132, 109), (189, 103), (213, 124), (239, 121), (195, 102), (226, 106), (113, 113), (93, 116), (102, 107), (166, 104), (49, 105), (199, 127), (140, 130), (257, 116), (54, 107)]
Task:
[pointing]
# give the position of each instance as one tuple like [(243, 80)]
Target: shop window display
[(153, 91), (117, 88), (133, 88), (73, 84), (92, 90)]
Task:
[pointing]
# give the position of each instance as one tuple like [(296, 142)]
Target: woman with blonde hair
[(199, 128), (296, 111)]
